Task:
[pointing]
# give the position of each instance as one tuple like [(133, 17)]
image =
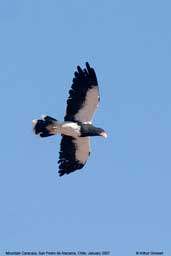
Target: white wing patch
[(90, 104), (82, 149)]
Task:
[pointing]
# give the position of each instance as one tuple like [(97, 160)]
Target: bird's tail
[(44, 127)]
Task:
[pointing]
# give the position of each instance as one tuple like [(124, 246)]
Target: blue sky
[(120, 201)]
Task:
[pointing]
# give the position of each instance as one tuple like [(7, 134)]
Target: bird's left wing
[(73, 154), (83, 96)]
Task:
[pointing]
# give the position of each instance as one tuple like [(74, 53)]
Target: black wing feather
[(67, 161), (83, 81)]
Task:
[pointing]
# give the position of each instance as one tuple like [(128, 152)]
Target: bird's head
[(90, 130)]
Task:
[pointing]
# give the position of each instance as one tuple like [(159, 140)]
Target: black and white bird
[(77, 126)]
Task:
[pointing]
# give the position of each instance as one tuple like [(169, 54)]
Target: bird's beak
[(103, 134)]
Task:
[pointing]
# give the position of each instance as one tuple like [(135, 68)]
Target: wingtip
[(61, 173), (79, 69), (87, 65)]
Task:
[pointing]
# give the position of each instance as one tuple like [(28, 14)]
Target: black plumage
[(67, 160), (77, 127), (83, 81)]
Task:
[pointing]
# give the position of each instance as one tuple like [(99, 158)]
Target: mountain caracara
[(77, 127)]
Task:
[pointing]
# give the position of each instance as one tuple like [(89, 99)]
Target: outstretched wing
[(83, 96), (73, 154)]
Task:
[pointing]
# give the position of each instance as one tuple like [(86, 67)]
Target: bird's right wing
[(73, 154)]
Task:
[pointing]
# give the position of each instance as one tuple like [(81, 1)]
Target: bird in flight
[(77, 125)]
